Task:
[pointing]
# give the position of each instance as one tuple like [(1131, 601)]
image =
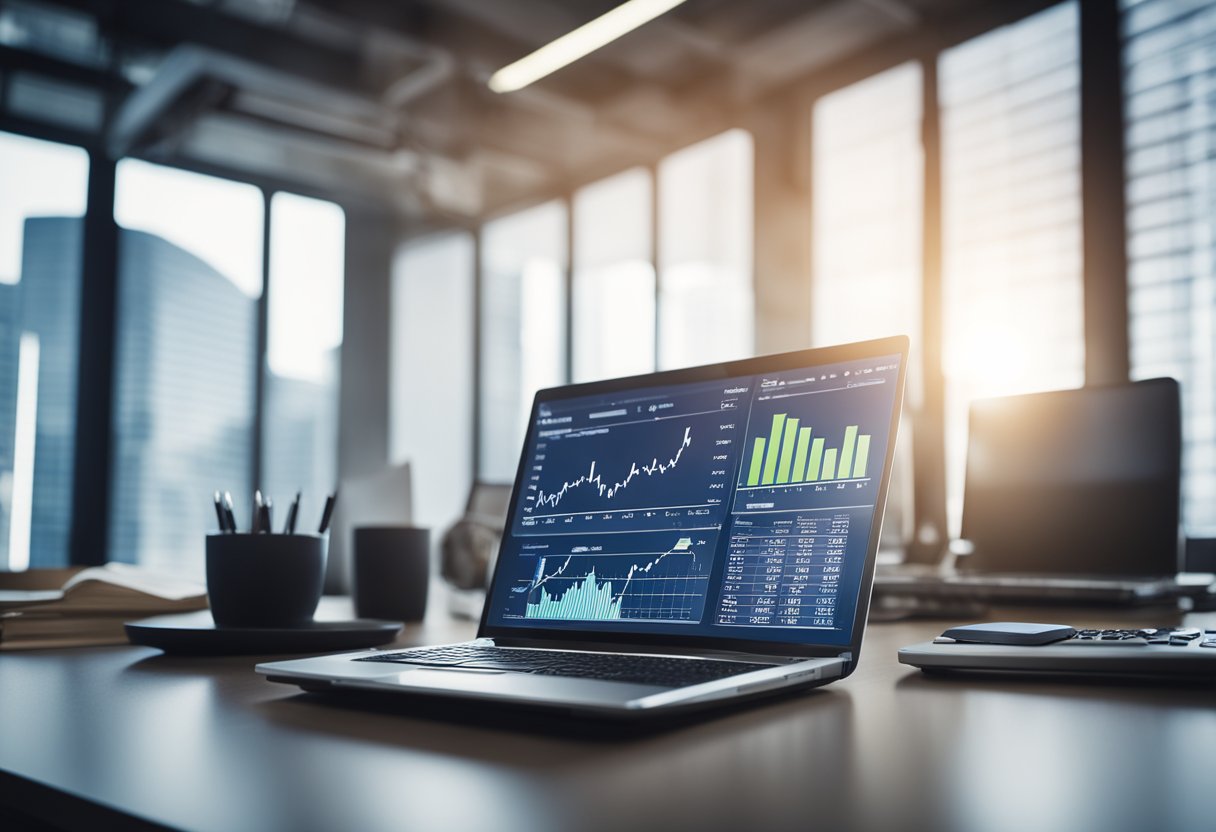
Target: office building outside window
[(523, 328), (43, 189), (1011, 220), (190, 274), (706, 299), (304, 340), (614, 303), (430, 374), (1171, 127), (867, 175)]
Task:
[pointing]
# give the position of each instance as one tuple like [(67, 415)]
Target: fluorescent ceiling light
[(576, 44)]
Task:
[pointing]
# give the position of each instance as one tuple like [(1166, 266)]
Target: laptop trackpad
[(501, 684)]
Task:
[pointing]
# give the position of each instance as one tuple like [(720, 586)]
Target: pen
[(265, 524), (328, 512), (219, 514), (290, 526), (255, 523), (229, 511)]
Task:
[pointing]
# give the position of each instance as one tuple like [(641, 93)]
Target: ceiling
[(388, 100)]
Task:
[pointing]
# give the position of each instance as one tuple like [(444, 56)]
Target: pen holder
[(264, 580), (392, 572)]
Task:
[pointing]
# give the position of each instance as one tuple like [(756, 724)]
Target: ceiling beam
[(167, 24), (931, 36), (188, 67), (15, 59), (705, 98)]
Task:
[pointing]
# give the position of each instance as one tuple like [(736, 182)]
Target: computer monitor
[(1076, 482)]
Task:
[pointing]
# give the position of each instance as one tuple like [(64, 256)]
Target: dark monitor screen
[(1083, 482), (734, 508)]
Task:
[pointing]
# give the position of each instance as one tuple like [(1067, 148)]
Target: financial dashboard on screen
[(734, 508)]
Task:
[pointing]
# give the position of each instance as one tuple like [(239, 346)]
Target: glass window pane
[(430, 398), (190, 264), (868, 175), (1169, 80), (705, 252), (43, 189), (523, 329), (614, 304), (868, 181), (304, 339), (1011, 220)]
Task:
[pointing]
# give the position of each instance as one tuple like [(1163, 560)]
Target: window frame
[(90, 509)]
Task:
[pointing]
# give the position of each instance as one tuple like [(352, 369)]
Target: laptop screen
[(735, 508), (1076, 482)]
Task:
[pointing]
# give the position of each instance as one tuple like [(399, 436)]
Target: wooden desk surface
[(206, 744)]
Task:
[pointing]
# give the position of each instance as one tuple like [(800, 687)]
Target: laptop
[(675, 540), (1071, 495)]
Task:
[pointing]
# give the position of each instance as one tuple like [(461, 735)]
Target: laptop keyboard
[(611, 667)]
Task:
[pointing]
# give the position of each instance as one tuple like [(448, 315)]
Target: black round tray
[(196, 634)]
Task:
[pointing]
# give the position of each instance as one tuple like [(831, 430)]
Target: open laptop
[(1071, 495), (675, 540)]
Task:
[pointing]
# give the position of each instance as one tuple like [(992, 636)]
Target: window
[(1011, 220), (614, 303), (523, 329), (190, 274), (868, 174), (43, 189), (1169, 76), (304, 338), (431, 397), (705, 252)]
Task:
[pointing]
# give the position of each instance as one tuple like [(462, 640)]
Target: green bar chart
[(770, 455), (792, 454), (753, 474), (846, 452), (863, 456), (812, 471), (787, 451)]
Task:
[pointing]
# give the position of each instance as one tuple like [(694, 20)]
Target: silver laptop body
[(726, 516)]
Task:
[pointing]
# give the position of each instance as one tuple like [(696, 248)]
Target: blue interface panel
[(734, 508)]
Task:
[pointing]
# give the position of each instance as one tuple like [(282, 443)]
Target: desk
[(206, 744)]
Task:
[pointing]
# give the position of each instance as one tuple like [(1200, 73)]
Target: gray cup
[(391, 567), (264, 580)]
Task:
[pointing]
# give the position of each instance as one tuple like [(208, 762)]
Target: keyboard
[(1167, 636), (1163, 653), (611, 667)]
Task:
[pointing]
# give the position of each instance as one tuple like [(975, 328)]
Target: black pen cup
[(391, 571), (265, 580)]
